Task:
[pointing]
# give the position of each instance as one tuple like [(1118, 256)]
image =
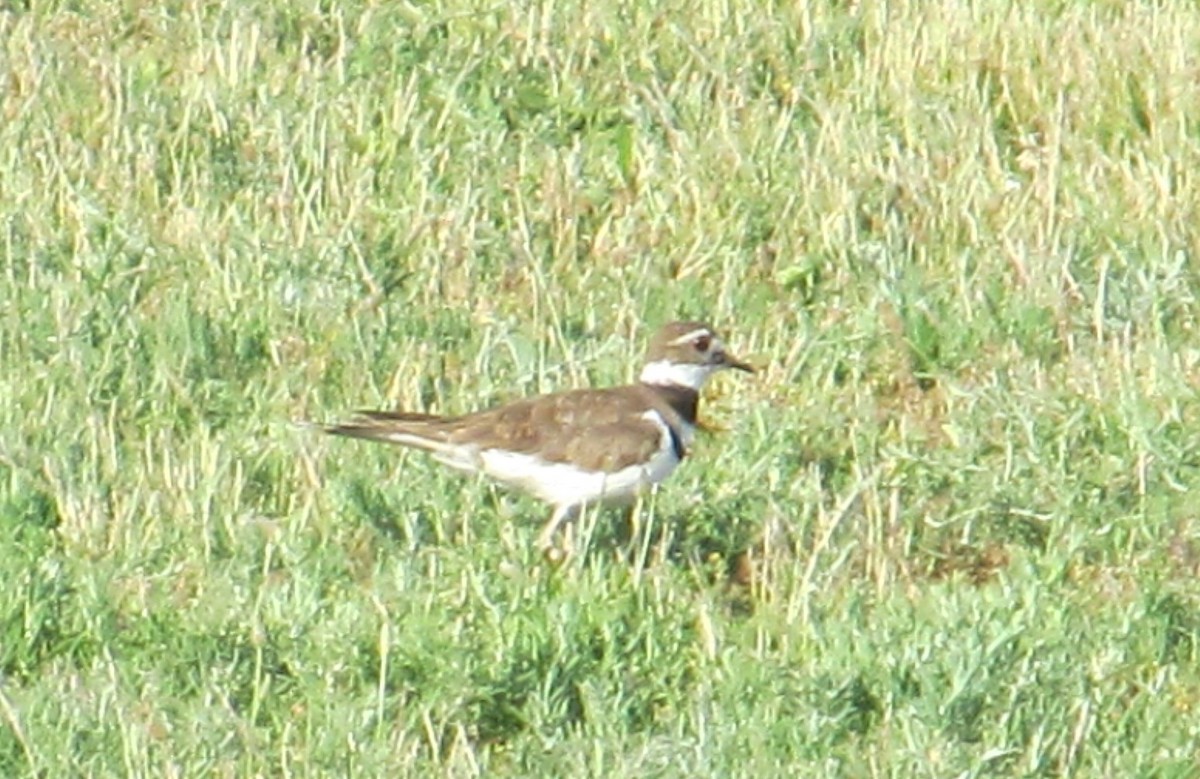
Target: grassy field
[(947, 531)]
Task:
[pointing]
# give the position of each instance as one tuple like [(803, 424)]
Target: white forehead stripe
[(683, 339)]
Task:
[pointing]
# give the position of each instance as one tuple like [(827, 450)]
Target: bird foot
[(555, 556)]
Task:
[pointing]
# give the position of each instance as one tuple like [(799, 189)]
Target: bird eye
[(702, 343)]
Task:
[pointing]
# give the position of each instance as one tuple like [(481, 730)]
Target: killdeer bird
[(574, 448)]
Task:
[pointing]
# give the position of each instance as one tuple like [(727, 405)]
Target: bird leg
[(545, 539)]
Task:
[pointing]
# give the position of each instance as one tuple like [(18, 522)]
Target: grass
[(947, 531)]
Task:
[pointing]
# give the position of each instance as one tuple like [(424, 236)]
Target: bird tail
[(426, 432)]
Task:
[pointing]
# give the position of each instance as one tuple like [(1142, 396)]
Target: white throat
[(676, 374)]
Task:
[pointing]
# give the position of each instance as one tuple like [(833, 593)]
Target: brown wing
[(597, 429)]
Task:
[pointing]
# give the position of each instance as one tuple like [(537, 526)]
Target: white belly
[(563, 484)]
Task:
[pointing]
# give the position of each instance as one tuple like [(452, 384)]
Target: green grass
[(948, 530)]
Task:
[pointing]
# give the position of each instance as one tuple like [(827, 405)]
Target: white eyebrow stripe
[(692, 336)]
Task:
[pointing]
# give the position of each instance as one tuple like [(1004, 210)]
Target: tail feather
[(418, 431), (398, 416), (401, 427)]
